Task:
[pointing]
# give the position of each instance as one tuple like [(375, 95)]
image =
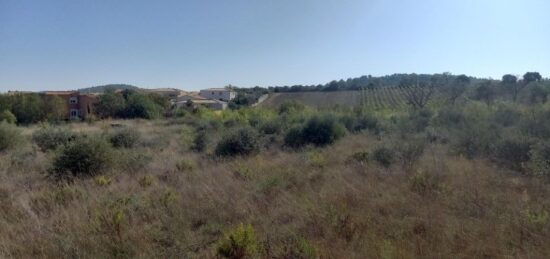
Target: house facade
[(223, 94), (79, 106)]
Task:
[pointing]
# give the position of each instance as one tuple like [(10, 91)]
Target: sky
[(195, 44)]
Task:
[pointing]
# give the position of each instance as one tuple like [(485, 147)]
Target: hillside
[(102, 88), (378, 98)]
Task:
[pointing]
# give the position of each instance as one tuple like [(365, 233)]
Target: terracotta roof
[(217, 89)]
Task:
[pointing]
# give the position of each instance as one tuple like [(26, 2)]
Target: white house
[(195, 100), (218, 94)]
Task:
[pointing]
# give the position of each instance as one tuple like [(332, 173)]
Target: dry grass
[(321, 199)]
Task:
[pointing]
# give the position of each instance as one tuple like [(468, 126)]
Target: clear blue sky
[(188, 44)]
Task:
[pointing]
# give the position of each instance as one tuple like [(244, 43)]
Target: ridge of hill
[(102, 88)]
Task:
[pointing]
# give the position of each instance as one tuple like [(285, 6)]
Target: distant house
[(194, 100), (79, 106), (223, 94)]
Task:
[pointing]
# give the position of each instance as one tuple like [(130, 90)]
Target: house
[(224, 94), (79, 106), (194, 100)]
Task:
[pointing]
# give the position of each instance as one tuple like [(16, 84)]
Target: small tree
[(530, 77), (510, 83), (458, 87), (485, 92), (418, 93)]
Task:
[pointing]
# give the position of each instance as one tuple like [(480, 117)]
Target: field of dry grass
[(164, 201)]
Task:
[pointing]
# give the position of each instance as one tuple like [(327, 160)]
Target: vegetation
[(8, 117), (125, 138), (130, 104), (448, 179), (86, 156), (10, 136), (242, 141), (50, 138)]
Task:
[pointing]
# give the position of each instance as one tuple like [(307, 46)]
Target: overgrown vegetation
[(460, 178)]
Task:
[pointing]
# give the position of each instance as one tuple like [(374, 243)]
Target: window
[(220, 93), (213, 93), (73, 100), (74, 113)]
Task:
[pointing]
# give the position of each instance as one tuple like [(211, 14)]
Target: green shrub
[(239, 243), (360, 121), (242, 141), (539, 162), (200, 143), (50, 138), (294, 138), (10, 136), (318, 130), (410, 150), (290, 107), (512, 152), (323, 130), (298, 247), (270, 127), (83, 157), (384, 156), (125, 138), (361, 157), (7, 116), (185, 165)]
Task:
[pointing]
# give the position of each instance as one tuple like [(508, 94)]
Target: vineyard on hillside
[(376, 98)]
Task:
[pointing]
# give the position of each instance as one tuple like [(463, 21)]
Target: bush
[(200, 143), (512, 153), (384, 156), (10, 136), (83, 157), (243, 141), (125, 138), (8, 117), (239, 243), (318, 130), (539, 162), (360, 121), (289, 107), (50, 138), (294, 138), (270, 127), (410, 150)]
